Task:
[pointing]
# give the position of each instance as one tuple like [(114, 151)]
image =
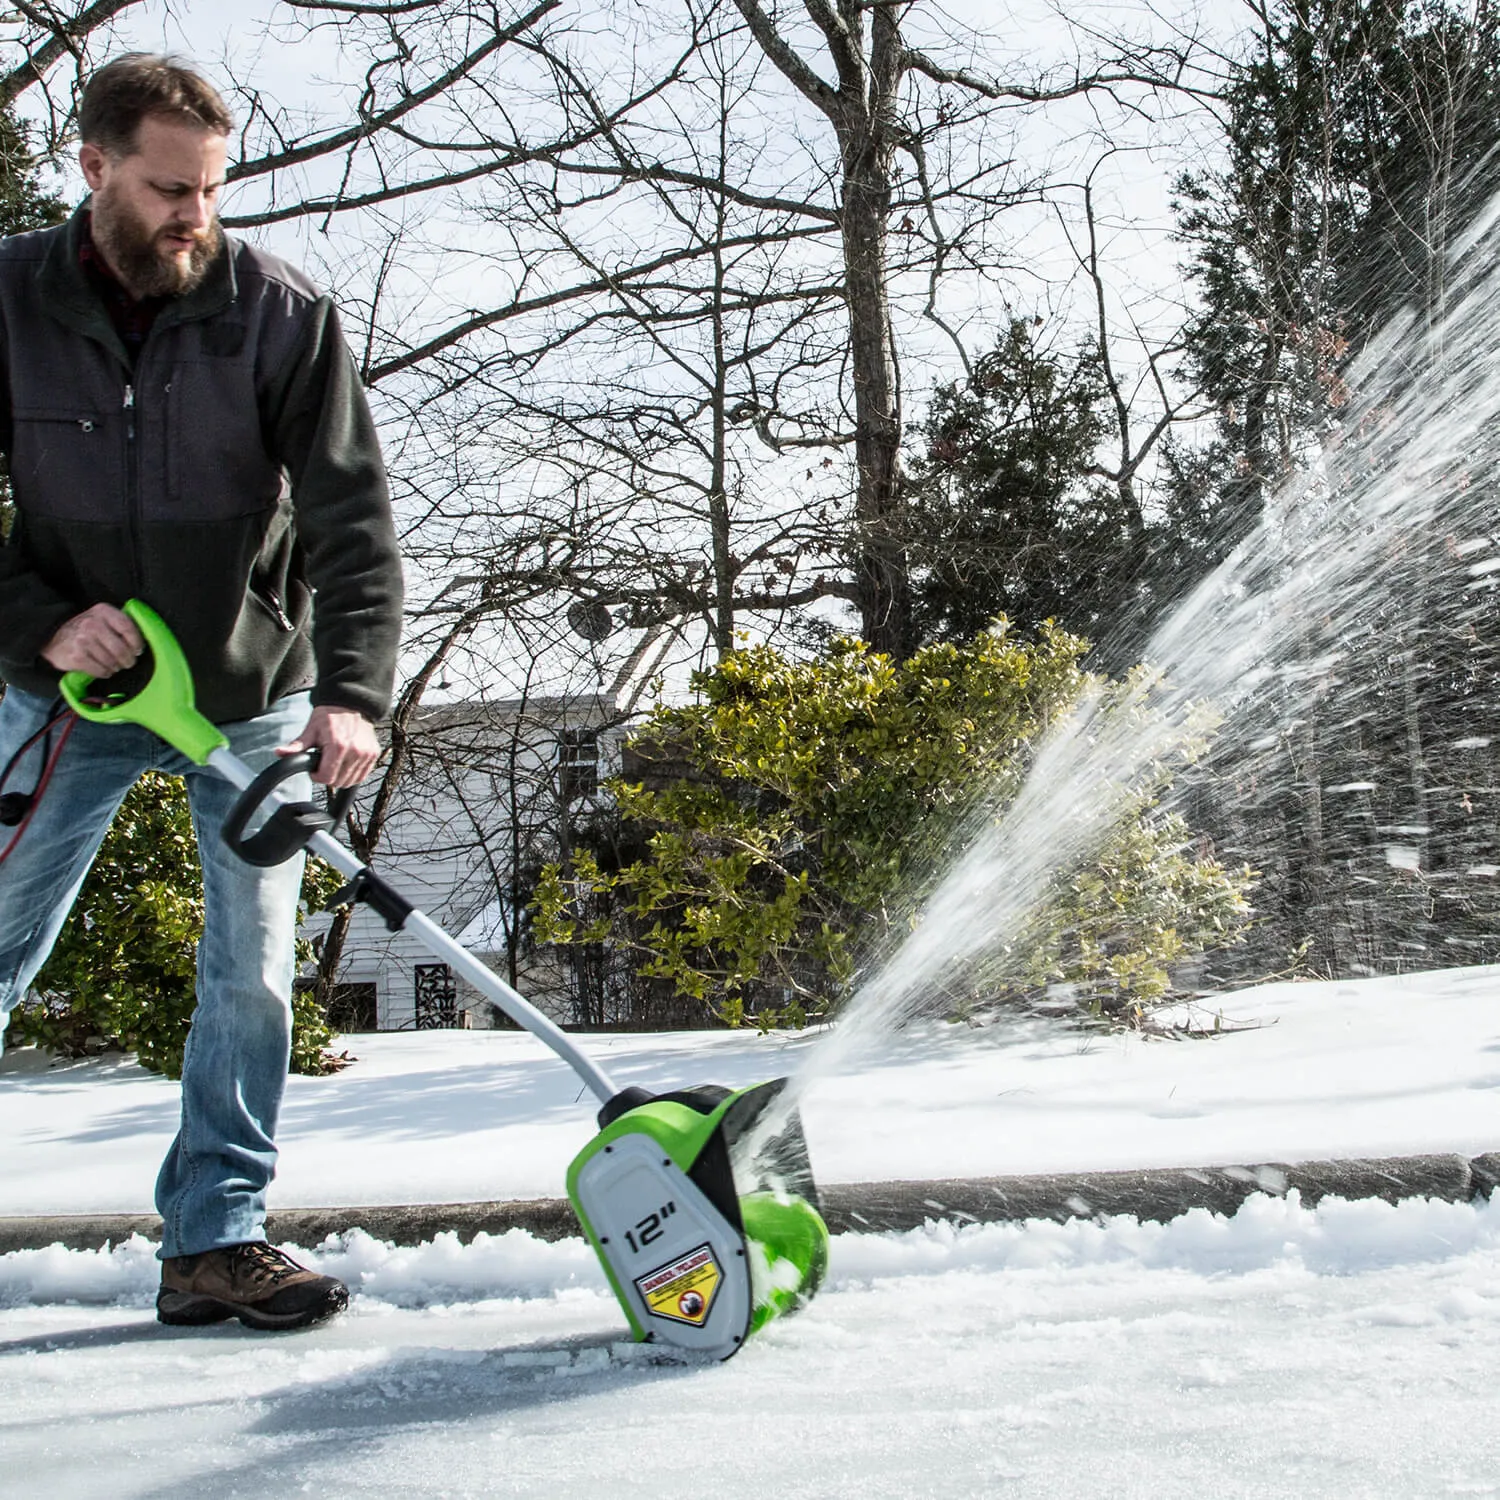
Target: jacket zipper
[(133, 493), (272, 605)]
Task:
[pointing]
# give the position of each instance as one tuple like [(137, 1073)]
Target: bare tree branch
[(57, 36), (371, 124), (785, 58)]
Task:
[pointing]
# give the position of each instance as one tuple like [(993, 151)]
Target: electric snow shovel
[(705, 1230)]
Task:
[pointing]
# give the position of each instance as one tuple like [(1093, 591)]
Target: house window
[(578, 763), (353, 1007)]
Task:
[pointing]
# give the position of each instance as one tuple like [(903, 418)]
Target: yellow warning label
[(683, 1291)]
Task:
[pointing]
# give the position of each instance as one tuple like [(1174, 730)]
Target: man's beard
[(135, 256)]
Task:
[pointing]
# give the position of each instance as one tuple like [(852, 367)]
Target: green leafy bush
[(122, 971), (780, 833)]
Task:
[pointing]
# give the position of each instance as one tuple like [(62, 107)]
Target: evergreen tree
[(24, 204), (1269, 232), (1004, 517), (1355, 146)]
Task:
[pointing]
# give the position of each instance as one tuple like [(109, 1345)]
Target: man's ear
[(92, 161)]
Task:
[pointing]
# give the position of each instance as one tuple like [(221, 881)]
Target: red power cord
[(64, 723)]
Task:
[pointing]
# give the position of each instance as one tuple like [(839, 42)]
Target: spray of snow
[(1333, 548)]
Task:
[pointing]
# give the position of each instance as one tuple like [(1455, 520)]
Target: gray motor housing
[(680, 1268)]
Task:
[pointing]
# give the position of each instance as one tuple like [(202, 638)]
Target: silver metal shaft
[(432, 937)]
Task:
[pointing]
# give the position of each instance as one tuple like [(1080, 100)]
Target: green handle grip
[(165, 705)]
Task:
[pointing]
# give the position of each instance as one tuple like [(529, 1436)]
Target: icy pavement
[(1352, 1350), (1349, 1350)]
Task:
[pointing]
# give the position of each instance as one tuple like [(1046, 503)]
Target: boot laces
[(262, 1263)]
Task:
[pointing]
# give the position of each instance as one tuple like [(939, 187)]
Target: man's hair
[(128, 88)]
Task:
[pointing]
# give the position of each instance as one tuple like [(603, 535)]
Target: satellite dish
[(590, 619)]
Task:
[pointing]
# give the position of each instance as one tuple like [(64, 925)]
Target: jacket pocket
[(65, 464), (216, 461), (271, 603)]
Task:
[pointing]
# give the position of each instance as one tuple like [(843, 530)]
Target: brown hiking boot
[(254, 1282)]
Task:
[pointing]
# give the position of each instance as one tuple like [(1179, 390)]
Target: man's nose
[(196, 210)]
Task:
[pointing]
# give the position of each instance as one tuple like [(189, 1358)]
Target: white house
[(491, 792)]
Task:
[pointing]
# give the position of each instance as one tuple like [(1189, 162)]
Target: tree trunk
[(881, 580)]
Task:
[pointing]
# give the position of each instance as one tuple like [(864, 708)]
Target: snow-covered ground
[(1367, 1068), (1349, 1350)]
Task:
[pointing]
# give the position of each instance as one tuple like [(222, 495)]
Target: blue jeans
[(211, 1191)]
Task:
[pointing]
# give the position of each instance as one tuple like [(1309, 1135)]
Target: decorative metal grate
[(437, 998)]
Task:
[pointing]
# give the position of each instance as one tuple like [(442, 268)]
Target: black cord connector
[(14, 806)]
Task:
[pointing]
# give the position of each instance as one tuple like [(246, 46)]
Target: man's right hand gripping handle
[(101, 641)]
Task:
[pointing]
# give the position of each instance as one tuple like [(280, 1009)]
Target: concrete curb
[(869, 1207)]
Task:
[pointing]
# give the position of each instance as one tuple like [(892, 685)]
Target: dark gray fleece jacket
[(228, 478)]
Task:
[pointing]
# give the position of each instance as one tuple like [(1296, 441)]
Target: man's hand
[(101, 641), (347, 742)]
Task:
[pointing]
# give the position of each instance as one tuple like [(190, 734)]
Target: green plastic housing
[(166, 705), (788, 1241)]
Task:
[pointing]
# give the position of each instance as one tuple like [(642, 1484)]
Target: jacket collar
[(68, 295)]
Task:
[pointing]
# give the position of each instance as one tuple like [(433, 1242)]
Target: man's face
[(154, 210)]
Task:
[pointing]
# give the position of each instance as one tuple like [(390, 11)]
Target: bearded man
[(184, 425)]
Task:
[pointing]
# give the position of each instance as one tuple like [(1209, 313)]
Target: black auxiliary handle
[(293, 824)]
